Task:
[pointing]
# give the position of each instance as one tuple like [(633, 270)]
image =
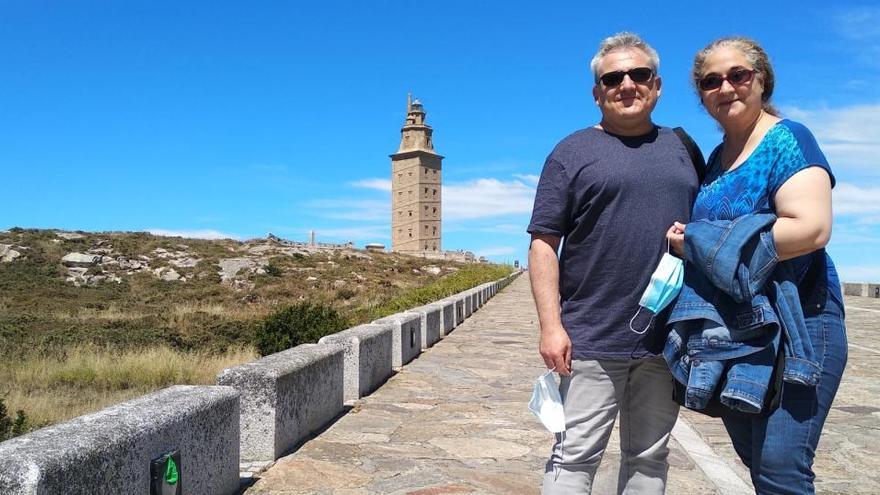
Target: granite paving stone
[(455, 420)]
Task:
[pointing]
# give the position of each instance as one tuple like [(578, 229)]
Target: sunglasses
[(638, 75), (736, 76)]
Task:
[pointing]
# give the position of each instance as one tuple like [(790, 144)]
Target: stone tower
[(415, 186)]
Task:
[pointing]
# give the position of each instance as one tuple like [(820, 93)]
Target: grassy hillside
[(143, 312)]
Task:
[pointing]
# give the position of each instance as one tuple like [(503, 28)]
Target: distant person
[(609, 193), (770, 176)]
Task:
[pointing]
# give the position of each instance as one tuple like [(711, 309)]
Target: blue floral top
[(786, 149)]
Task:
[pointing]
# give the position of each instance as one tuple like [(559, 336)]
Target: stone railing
[(861, 289), (258, 412)]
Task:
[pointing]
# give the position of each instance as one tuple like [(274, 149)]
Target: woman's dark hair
[(756, 56)]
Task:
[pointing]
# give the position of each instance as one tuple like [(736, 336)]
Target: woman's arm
[(803, 208)]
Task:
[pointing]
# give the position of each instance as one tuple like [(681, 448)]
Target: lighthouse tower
[(415, 186)]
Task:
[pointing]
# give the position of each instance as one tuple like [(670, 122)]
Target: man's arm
[(555, 344)]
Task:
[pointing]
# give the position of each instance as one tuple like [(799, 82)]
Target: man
[(610, 191)]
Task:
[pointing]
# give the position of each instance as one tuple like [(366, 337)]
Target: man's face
[(627, 104)]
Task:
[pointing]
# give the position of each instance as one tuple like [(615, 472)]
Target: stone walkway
[(455, 421)]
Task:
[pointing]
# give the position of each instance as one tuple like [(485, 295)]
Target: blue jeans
[(779, 449)]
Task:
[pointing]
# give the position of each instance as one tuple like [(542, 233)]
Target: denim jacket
[(737, 306)]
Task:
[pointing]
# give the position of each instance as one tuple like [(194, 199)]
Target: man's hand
[(556, 349), (675, 236)]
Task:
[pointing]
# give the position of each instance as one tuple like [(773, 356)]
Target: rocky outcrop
[(169, 274), (7, 254), (231, 267), (80, 260)]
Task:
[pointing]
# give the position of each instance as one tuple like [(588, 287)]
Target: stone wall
[(109, 452), (861, 289), (260, 411)]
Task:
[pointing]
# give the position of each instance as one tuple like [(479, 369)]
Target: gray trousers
[(641, 391)]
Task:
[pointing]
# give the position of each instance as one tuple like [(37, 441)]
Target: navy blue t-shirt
[(612, 198)]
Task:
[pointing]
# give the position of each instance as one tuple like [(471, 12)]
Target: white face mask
[(546, 403)]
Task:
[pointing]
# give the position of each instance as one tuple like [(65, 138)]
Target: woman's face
[(732, 105)]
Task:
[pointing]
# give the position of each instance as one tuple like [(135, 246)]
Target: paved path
[(455, 421)]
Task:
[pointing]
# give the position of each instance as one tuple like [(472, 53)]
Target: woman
[(769, 164)]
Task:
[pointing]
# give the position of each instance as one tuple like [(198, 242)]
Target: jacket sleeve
[(738, 256)]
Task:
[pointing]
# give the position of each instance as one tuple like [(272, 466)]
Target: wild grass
[(52, 388), (66, 350)]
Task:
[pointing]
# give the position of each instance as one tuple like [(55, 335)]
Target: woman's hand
[(675, 236)]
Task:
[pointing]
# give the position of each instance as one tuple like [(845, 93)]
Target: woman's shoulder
[(797, 135)]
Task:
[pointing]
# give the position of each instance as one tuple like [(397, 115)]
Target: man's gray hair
[(622, 41)]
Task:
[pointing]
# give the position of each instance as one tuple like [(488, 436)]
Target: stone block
[(447, 315), (431, 320), (468, 303), (459, 309), (368, 351), (855, 289), (109, 452), (474, 294), (407, 337), (286, 396)]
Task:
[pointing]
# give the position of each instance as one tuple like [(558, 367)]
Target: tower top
[(415, 134)]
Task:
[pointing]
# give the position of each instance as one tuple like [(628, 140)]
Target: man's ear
[(596, 93), (659, 83)]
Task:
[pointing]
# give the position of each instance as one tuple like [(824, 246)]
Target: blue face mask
[(663, 288)]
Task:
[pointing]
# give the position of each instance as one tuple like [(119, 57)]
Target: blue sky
[(243, 118)]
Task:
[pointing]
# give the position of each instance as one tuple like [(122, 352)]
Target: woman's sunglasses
[(736, 76), (638, 75)]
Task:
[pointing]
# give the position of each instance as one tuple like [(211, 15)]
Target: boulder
[(8, 254), (80, 260), (169, 274), (432, 269), (187, 262), (69, 235)]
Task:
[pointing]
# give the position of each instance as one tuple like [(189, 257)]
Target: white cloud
[(496, 251), (849, 136), (852, 199), (377, 184), (486, 198), (192, 234), (366, 210), (529, 178), (860, 26), (859, 23), (367, 233)]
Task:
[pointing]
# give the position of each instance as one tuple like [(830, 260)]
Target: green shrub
[(291, 326), (465, 278), (10, 428), (273, 270)]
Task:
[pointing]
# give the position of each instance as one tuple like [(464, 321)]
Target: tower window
[(435, 191), (410, 212), (435, 210), (426, 190), (434, 230)]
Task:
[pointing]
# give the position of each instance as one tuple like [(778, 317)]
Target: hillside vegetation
[(90, 319)]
